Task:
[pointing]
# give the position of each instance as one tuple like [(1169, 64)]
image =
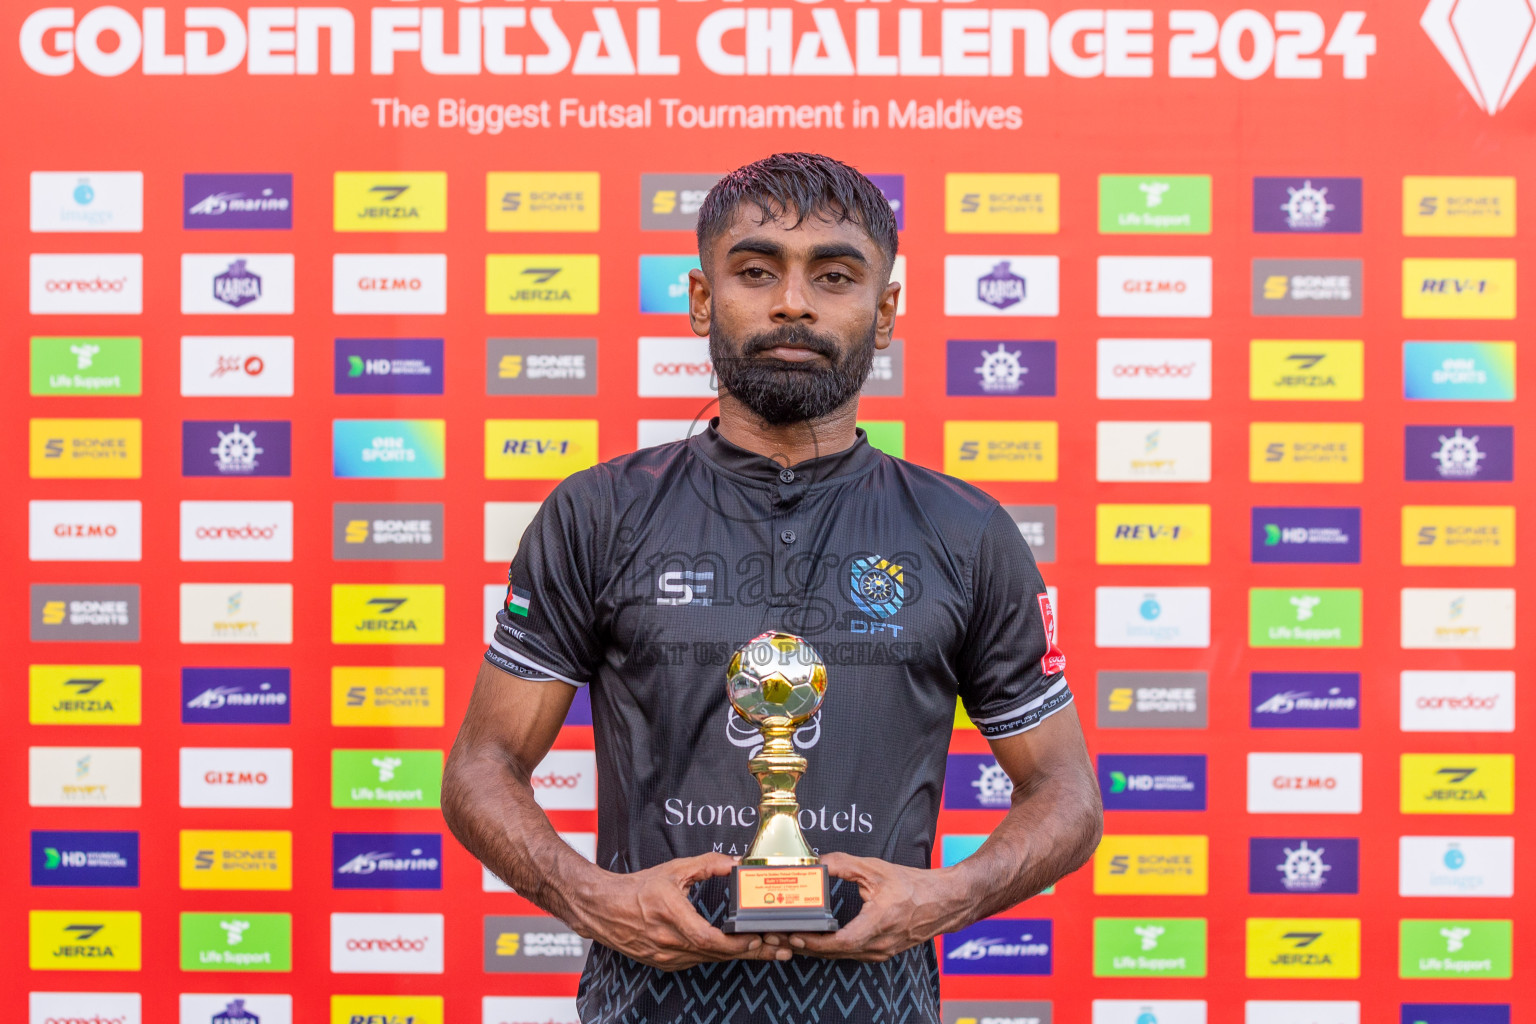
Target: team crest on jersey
[(876, 586)]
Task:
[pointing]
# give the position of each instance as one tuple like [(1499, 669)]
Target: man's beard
[(780, 392)]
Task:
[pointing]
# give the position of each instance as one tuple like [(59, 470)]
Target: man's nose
[(793, 301)]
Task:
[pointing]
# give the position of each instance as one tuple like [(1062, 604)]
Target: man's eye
[(755, 273), (836, 277)]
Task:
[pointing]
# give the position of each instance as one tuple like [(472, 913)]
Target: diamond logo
[(1488, 43)]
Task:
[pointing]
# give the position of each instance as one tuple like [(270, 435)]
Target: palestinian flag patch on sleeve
[(518, 601)]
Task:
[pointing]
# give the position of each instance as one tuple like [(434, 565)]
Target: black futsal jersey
[(640, 576)]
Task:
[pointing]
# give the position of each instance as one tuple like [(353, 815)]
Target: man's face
[(793, 314)]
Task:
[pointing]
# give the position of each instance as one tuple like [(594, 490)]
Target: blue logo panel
[(93, 859), (235, 696), (1306, 206), (389, 366), (225, 202), (236, 448), (1311, 865), (998, 946), (664, 283), (1459, 453), (1152, 782), (1459, 371), (1001, 368), (1304, 700), (1316, 536), (386, 860), (976, 782), (1455, 1013)]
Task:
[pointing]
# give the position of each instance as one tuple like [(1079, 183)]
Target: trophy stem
[(777, 768)]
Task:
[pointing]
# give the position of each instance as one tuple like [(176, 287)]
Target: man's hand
[(903, 907), (646, 916)]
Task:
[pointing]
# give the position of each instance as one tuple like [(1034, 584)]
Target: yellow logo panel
[(1458, 784), (541, 201), (1303, 947), (541, 284), (1481, 289), (387, 613), (84, 940), (386, 1010), (86, 449), (538, 449), (1459, 535), (391, 201), (84, 694), (962, 720), (387, 696), (1002, 204), (1152, 865), (236, 860), (1154, 535), (1307, 371), (1000, 449), (1321, 453), (1440, 207)]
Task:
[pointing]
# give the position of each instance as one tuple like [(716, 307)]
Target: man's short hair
[(800, 185)]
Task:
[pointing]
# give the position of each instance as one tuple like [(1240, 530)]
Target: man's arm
[(488, 803), (1050, 831)]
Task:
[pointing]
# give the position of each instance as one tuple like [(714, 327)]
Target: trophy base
[(768, 899)]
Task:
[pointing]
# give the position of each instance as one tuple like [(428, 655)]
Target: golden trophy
[(776, 682)]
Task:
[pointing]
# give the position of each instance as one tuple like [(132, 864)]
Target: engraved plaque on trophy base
[(789, 899)]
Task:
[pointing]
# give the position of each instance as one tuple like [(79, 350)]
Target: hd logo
[(1458, 784), (83, 940), (1303, 948), (400, 613), (391, 201), (541, 284)]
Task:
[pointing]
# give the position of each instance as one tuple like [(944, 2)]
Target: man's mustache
[(791, 336)]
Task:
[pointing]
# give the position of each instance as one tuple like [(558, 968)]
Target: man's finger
[(845, 865), (847, 940), (705, 865)]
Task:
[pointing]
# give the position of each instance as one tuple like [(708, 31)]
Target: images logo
[(1305, 535), (391, 201), (531, 945), (1306, 453), (1140, 451), (1304, 783), (237, 613), (1459, 535), (998, 204), (73, 449), (1171, 204), (541, 284), (1464, 866), (1152, 700), (1306, 371), (1310, 865), (395, 697), (1001, 368), (1152, 782), (1458, 619), (1306, 206), (1160, 286), (1458, 454), (389, 283), (84, 694), (1152, 617), (237, 531), (1152, 865), (87, 201), (228, 202), (1304, 700), (1320, 617), (1161, 1011), (541, 201), (1459, 371), (538, 449), (388, 449), (386, 860), (237, 283), (389, 366), (85, 283), (236, 942), (1134, 947), (84, 612), (1001, 285), (1316, 947), (85, 859), (386, 778), (1455, 949), (1465, 289), (1154, 535), (1458, 784), (1458, 701), (1307, 287), (671, 202), (541, 366), (1458, 207), (998, 946), (236, 860), (86, 366), (1154, 368), (392, 613), (83, 940), (235, 696), (664, 283), (1000, 449)]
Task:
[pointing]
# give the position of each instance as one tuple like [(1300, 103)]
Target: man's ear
[(699, 298), (885, 314)]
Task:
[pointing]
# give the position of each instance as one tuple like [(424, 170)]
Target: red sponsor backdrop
[(1407, 115)]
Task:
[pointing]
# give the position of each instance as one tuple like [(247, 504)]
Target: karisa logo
[(1487, 43)]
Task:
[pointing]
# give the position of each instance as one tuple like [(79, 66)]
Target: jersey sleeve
[(546, 627), (1012, 675)]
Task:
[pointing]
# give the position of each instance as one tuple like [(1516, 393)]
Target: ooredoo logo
[(84, 1008), (1154, 368), (237, 531), (566, 780), (387, 943), (87, 283), (676, 368), (1458, 701)]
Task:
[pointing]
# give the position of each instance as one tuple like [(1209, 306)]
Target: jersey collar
[(732, 458)]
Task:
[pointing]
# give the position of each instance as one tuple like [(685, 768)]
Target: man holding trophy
[(775, 620)]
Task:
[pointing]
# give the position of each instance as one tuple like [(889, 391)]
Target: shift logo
[(1304, 865), (1486, 45), (999, 946), (1302, 948)]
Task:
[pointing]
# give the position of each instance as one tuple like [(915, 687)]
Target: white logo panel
[(85, 531), (649, 433), (84, 776), (86, 283), (1456, 866), (386, 943), (1154, 368), (237, 613), (1155, 286), (1152, 617), (268, 1009), (566, 780), (505, 524), (528, 1010), (1449, 618), (259, 367), (236, 777), (1278, 1012), (389, 283), (87, 201), (84, 1007), (237, 283), (1304, 783), (1142, 1011), (237, 531), (1458, 701), (1002, 285), (1151, 452), (676, 368)]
